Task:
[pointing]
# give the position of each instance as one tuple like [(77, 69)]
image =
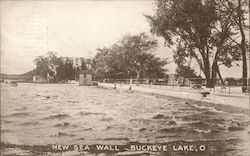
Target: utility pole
[(47, 39)]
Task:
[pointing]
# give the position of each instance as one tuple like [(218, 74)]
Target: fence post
[(221, 85), (189, 85)]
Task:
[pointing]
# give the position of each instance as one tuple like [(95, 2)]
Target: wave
[(61, 134), (115, 138), (204, 108), (161, 116), (83, 129), (20, 109), (199, 124), (141, 121), (81, 138), (106, 119), (31, 123), (119, 128), (65, 124), (142, 129), (173, 130), (236, 126), (58, 116), (19, 114), (83, 113), (204, 131), (73, 101), (171, 122)]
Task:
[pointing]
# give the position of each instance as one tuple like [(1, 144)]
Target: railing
[(230, 86)]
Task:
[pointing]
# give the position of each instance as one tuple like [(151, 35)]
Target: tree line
[(131, 57), (211, 33), (60, 68)]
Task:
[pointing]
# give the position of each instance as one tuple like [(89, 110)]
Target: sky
[(72, 28)]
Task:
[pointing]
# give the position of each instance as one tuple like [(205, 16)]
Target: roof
[(86, 72)]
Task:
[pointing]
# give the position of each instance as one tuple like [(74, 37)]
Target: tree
[(131, 57), (238, 12), (186, 72), (83, 65), (235, 11), (41, 66), (202, 30), (61, 75), (69, 69), (60, 68), (242, 26), (46, 64)]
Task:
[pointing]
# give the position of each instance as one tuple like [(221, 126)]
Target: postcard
[(125, 77)]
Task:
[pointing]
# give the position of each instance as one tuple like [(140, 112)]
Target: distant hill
[(22, 77)]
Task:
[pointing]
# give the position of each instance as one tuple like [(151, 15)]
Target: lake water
[(42, 114)]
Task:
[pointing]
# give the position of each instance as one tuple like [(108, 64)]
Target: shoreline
[(217, 106), (212, 98)]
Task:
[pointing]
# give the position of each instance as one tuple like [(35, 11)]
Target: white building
[(85, 77)]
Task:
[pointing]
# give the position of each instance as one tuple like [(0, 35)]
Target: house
[(85, 77)]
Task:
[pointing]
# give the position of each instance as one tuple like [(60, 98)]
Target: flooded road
[(41, 114)]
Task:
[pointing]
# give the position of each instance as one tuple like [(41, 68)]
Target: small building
[(39, 79), (172, 79), (49, 78), (85, 77)]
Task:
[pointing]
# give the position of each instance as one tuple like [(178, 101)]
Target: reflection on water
[(41, 114)]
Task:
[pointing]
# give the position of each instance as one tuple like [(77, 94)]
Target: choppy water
[(41, 114)]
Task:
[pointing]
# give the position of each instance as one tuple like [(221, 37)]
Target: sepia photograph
[(124, 78)]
